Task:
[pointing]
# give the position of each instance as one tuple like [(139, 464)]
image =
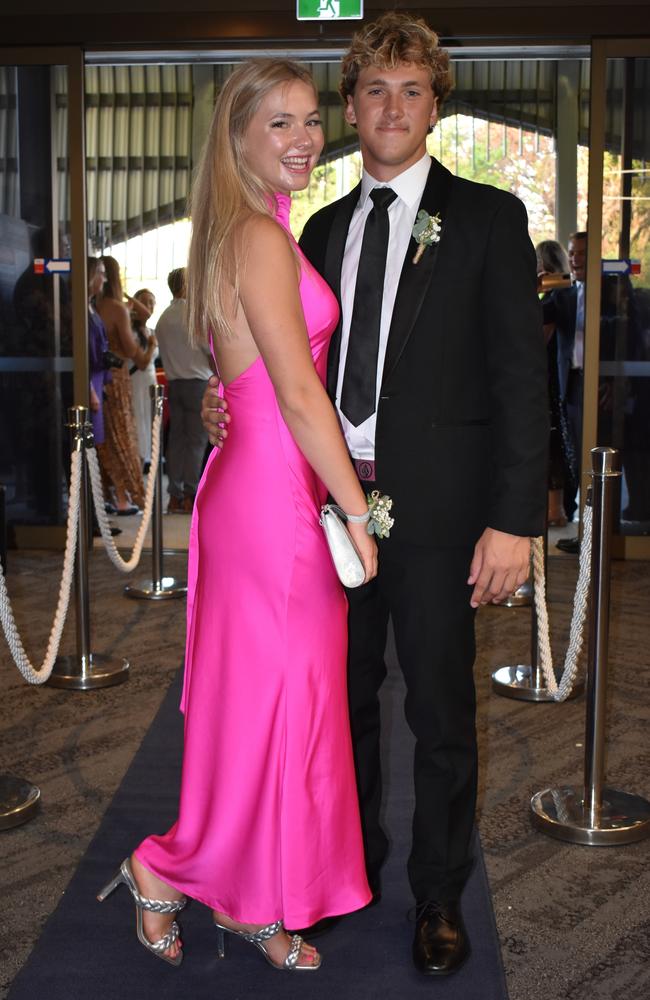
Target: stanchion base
[(84, 674), (149, 590), (19, 801), (518, 682), (522, 597), (561, 813)]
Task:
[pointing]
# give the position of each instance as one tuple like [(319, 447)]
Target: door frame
[(602, 49), (73, 59)]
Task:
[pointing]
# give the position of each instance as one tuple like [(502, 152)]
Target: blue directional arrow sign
[(624, 266), (52, 265), (57, 265)]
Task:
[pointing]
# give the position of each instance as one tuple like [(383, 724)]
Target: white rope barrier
[(562, 691), (29, 672), (125, 565)]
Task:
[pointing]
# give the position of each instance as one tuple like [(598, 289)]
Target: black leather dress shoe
[(571, 545), (441, 944)]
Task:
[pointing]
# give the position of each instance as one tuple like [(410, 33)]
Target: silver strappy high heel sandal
[(259, 937), (157, 948)]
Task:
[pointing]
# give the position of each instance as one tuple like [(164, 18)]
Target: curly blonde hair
[(394, 39)]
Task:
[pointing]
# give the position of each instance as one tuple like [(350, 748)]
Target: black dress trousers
[(424, 590)]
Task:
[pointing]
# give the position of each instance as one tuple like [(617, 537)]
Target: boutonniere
[(426, 231), (379, 506)]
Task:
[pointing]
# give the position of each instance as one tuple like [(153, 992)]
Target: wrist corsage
[(426, 231), (379, 522)]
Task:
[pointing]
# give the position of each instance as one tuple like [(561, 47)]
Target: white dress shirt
[(179, 358), (409, 187), (577, 361)]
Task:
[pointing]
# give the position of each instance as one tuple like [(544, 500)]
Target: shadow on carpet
[(90, 950)]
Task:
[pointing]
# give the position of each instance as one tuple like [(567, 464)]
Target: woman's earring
[(430, 129)]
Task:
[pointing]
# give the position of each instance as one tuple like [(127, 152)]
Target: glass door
[(617, 334), (43, 355)]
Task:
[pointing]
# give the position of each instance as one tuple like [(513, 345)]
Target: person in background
[(118, 456), (100, 374), (187, 369), (99, 364), (553, 273), (143, 378), (564, 315)]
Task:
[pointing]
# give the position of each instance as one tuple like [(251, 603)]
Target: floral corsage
[(380, 522), (426, 231)]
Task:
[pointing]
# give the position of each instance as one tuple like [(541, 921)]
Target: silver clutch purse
[(345, 556)]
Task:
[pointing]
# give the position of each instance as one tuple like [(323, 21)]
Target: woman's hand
[(214, 415), (367, 547), (139, 308), (94, 401)]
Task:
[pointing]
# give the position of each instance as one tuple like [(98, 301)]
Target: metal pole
[(19, 801), (18, 798), (3, 529), (592, 814), (605, 478), (160, 587), (84, 670), (522, 597), (525, 682), (157, 513)]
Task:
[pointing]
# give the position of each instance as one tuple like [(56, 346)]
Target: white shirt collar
[(408, 186)]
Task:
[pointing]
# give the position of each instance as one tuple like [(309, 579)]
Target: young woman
[(143, 378), (268, 832), (100, 375), (119, 459)]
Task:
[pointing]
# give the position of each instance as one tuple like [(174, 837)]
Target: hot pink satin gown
[(268, 825)]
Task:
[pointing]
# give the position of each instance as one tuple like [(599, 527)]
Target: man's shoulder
[(165, 316)]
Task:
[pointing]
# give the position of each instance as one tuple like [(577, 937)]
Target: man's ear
[(434, 115), (348, 111)]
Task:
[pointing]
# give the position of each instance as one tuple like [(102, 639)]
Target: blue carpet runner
[(88, 950)]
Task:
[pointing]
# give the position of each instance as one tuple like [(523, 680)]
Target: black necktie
[(359, 390)]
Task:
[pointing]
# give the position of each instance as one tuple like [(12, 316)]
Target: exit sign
[(328, 10)]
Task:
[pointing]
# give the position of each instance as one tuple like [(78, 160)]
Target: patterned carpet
[(573, 921)]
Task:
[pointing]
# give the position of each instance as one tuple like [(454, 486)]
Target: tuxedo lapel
[(333, 263), (415, 279)]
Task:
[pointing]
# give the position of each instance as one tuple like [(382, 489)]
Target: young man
[(438, 373), (187, 369)]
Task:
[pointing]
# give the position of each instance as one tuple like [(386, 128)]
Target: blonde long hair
[(225, 190)]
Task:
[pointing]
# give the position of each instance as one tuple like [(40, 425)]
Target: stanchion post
[(3, 529), (160, 587), (85, 670), (592, 814), (18, 798), (19, 801), (525, 682)]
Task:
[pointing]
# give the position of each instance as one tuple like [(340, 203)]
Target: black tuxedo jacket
[(561, 308), (462, 420)]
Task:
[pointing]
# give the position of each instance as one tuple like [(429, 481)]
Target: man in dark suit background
[(564, 313), (438, 373)]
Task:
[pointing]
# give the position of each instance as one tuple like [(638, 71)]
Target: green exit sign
[(328, 10)]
